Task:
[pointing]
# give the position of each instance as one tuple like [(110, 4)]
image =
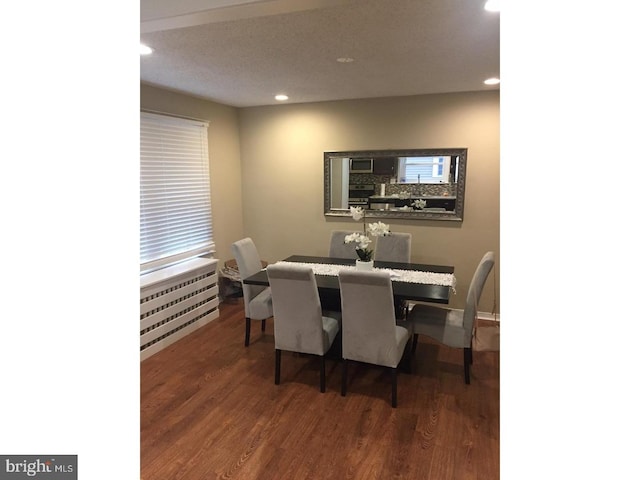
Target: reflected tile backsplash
[(413, 189)]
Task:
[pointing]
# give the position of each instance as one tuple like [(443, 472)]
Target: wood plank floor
[(210, 410)]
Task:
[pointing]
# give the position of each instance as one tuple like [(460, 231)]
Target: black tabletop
[(401, 290)]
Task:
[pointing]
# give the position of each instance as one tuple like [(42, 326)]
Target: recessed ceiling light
[(281, 98), (144, 50), (492, 81), (344, 60), (492, 5)]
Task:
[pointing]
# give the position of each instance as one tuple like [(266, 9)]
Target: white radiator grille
[(175, 302)]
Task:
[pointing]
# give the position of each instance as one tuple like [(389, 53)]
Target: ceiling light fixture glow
[(492, 81), (281, 98), (144, 50), (492, 6)]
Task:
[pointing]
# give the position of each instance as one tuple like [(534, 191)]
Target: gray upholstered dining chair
[(395, 247), (369, 330), (257, 298), (453, 327), (339, 249), (299, 323)]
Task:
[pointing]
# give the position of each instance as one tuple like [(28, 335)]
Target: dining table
[(404, 287)]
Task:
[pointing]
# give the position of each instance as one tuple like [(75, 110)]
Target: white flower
[(419, 203), (378, 229), (357, 213), (362, 240), (352, 237)]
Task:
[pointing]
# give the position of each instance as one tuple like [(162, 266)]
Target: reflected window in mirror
[(424, 169)]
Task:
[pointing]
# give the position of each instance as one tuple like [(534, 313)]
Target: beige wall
[(267, 171), (282, 170)]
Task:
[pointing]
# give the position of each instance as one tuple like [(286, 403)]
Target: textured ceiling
[(242, 52)]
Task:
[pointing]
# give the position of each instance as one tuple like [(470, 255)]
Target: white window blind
[(424, 169), (175, 205)]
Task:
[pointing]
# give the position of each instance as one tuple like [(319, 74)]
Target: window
[(424, 169), (175, 201)]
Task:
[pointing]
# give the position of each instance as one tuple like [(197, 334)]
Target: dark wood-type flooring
[(210, 410)]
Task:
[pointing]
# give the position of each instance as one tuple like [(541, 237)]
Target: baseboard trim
[(488, 316)]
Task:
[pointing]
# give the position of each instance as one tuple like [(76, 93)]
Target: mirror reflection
[(417, 183)]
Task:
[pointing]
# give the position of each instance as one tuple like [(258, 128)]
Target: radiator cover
[(176, 301)]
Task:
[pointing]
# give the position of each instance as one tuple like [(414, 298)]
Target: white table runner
[(411, 276)]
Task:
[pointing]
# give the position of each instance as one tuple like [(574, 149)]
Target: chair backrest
[(297, 313), (339, 249), (248, 260), (368, 317), (395, 247), (475, 289)]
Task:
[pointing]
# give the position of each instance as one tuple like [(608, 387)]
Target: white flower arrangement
[(419, 204), (362, 240)]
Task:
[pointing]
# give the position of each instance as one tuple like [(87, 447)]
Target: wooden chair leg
[(278, 358), (406, 360), (344, 377), (247, 331), (394, 387), (467, 364), (264, 325), (415, 343), (322, 377)]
